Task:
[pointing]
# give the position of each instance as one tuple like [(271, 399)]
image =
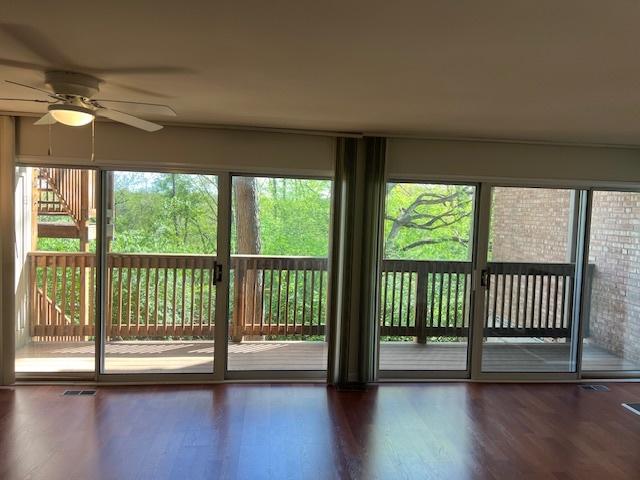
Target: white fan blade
[(24, 100), (51, 94), (128, 119), (46, 120), (138, 108)]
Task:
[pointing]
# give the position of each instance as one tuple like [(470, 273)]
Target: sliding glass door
[(279, 276), (161, 240), (55, 259), (611, 330), (425, 305), (529, 316)]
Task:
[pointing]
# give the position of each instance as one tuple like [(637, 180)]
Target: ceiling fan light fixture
[(71, 115)]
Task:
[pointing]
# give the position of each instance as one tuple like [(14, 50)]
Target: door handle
[(484, 278), (217, 273)]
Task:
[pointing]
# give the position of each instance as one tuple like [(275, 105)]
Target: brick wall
[(615, 293), (532, 225)]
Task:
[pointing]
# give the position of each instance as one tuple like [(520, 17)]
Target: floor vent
[(79, 393), (595, 388), (634, 407)]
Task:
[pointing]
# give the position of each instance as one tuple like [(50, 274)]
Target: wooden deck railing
[(158, 295), (279, 296)]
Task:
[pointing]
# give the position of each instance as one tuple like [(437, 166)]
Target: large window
[(612, 317), (528, 318), (280, 245), (161, 236), (426, 280), (55, 270)]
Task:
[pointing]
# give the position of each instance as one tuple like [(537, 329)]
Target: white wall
[(576, 165), (23, 207), (180, 148)]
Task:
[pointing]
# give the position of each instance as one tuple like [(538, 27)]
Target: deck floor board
[(197, 357)]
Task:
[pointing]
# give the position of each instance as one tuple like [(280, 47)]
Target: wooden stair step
[(58, 230)]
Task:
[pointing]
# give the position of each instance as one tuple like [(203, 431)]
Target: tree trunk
[(248, 242)]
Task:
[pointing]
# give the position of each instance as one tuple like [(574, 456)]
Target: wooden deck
[(197, 357)]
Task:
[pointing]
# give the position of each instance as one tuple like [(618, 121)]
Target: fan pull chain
[(50, 146), (93, 139)]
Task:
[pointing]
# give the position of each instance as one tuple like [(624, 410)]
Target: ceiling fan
[(71, 96), (71, 102)]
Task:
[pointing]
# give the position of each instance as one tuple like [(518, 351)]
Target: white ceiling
[(546, 70)]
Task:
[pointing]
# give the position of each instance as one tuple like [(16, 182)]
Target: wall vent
[(595, 388), (634, 407), (79, 393)]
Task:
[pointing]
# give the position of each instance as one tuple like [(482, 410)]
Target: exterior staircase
[(64, 193)]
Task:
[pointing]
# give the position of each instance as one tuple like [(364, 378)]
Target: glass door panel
[(528, 318), (426, 280), (161, 243), (55, 270), (612, 287), (279, 278)]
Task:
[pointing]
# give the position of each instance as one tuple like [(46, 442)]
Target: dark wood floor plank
[(282, 431)]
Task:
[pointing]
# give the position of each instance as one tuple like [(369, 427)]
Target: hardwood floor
[(280, 431)]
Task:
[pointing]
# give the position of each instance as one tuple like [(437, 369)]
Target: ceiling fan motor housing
[(71, 83)]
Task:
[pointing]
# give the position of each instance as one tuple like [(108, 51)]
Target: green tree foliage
[(165, 213), (294, 216), (428, 221)]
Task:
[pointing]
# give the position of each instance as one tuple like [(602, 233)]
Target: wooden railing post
[(238, 301), (421, 304)]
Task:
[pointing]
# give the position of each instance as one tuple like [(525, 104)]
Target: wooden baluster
[(393, 298), (456, 302), (279, 264), (421, 303), (432, 304), (89, 328), (192, 295), (270, 318), (62, 330), (174, 298), (303, 324), (165, 297), (138, 268), (286, 302), (147, 301), (518, 297), (548, 312), (156, 289), (496, 280), (54, 279), (321, 323), (447, 324), (466, 298), (503, 295), (295, 301), (212, 290), (409, 296), (75, 329), (312, 297), (201, 303), (440, 298), (121, 304), (510, 303), (383, 303), (540, 300), (401, 296), (183, 299), (526, 300), (238, 296), (129, 324)]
